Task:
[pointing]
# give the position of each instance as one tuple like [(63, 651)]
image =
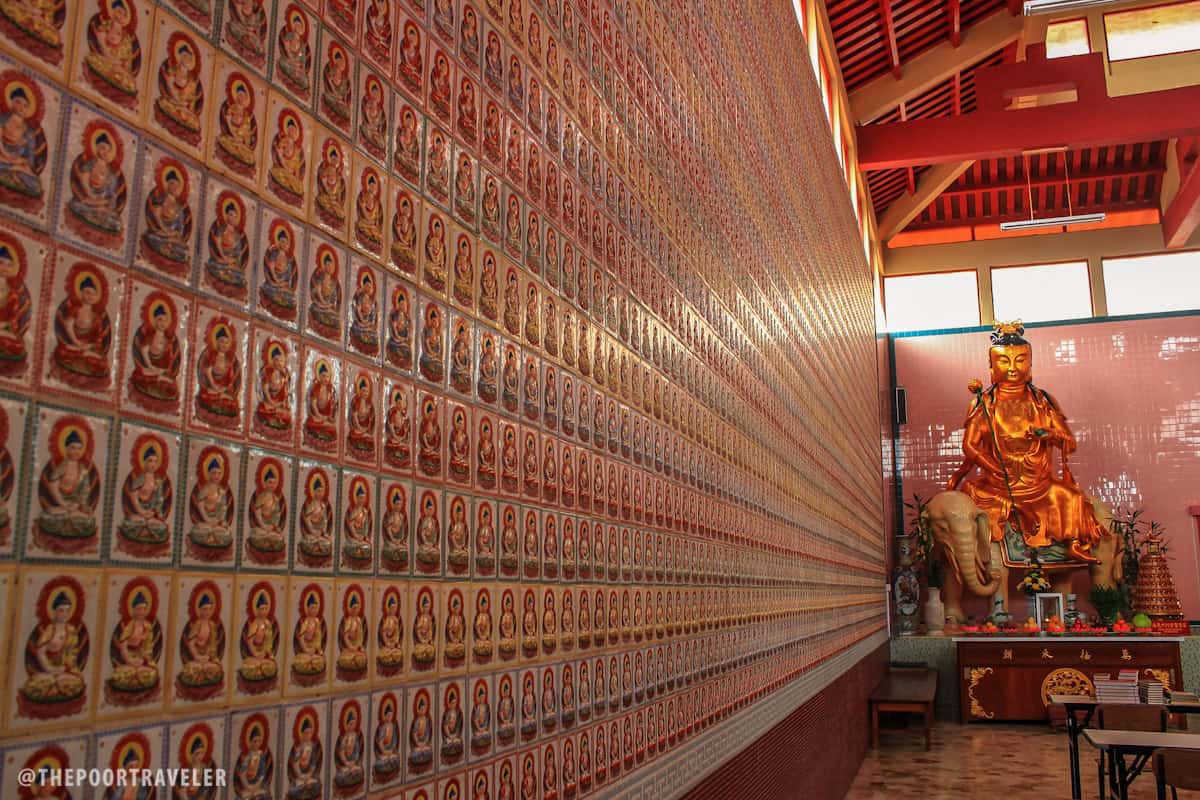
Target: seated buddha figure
[(228, 247), (180, 100), (56, 651), (320, 421), (285, 176), (387, 761), (394, 543), (348, 770), (352, 638), (358, 523), (316, 520), (146, 498), (389, 640), (68, 487), (273, 411), (309, 639), (114, 55), (1012, 430), (135, 646), (157, 355), (361, 418), (211, 505), (277, 290), (267, 515), (166, 240), (305, 759), (201, 645), (331, 186), (259, 643)]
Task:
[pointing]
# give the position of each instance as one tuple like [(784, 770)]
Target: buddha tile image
[(56, 617), (31, 110), (466, 110), (180, 69), (514, 154), (422, 726), (452, 710), (458, 445), (455, 629), (277, 297), (458, 535), (25, 264), (217, 388), (113, 40), (94, 185), (374, 121), (434, 256), (394, 527), (385, 739), (468, 36), (294, 46), (315, 518), (200, 641), (530, 468), (438, 167), (310, 647), (512, 298), (70, 472), (493, 53), (407, 141), (365, 310), (388, 626), (210, 521), (147, 500), (321, 430), (489, 289), (362, 416), (462, 277), (377, 21), (404, 217), (440, 75), (528, 768), (155, 376), (331, 183), (254, 738), (13, 416), (353, 644), (568, 545), (430, 431), (509, 541), (485, 452), (398, 421), (132, 749), (133, 670), (286, 179), (237, 121), (45, 759), (269, 510), (167, 220), (425, 632), (349, 743), (244, 31), (228, 228), (428, 530), (304, 755), (369, 217), (325, 298), (335, 76), (426, 791), (359, 520), (548, 620), (529, 622), (274, 410), (489, 208), (198, 744)]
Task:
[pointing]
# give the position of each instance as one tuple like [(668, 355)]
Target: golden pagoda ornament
[(1154, 593)]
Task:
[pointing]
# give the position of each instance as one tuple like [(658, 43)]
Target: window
[(931, 301), (1148, 284), (1153, 31), (1068, 37), (1042, 292)]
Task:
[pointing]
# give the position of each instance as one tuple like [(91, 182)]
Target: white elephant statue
[(962, 540)]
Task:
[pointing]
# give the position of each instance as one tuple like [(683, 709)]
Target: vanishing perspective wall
[(420, 398)]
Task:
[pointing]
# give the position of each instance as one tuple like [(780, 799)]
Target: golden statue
[(1012, 430)]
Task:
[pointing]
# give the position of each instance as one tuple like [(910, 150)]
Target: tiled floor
[(981, 762)]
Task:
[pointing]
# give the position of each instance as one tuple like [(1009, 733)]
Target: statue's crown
[(1008, 333)]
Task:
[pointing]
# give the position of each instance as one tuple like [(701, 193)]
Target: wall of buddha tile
[(410, 398)]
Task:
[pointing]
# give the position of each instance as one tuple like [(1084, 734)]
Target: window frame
[(1105, 260), (1087, 267), (1107, 41), (974, 273)]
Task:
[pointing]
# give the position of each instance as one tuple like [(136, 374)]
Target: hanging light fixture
[(1033, 7), (1050, 222)]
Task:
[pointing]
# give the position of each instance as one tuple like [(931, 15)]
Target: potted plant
[(930, 566)]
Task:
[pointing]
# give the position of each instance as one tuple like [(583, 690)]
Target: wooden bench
[(908, 690)]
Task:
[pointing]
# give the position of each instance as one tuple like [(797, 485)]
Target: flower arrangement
[(1035, 579)]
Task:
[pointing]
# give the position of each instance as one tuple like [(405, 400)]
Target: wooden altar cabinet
[(1012, 677)]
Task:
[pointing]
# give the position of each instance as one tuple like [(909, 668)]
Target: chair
[(1118, 717), (1179, 769)]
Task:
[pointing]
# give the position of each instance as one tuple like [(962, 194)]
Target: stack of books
[(1122, 690), (1180, 696), (1152, 692)]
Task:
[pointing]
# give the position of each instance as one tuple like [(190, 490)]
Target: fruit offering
[(1031, 626)]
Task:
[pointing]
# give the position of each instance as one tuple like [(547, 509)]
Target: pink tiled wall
[(1131, 391)]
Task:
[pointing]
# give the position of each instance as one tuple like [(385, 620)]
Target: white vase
[(935, 611)]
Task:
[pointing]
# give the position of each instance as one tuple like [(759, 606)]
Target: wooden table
[(1079, 713), (1012, 677), (907, 690), (1140, 745)]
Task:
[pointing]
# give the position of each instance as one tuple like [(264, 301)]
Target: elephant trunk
[(963, 553)]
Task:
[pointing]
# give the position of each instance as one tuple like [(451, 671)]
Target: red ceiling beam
[(1093, 120), (889, 32), (1057, 180), (955, 23), (1182, 217)]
